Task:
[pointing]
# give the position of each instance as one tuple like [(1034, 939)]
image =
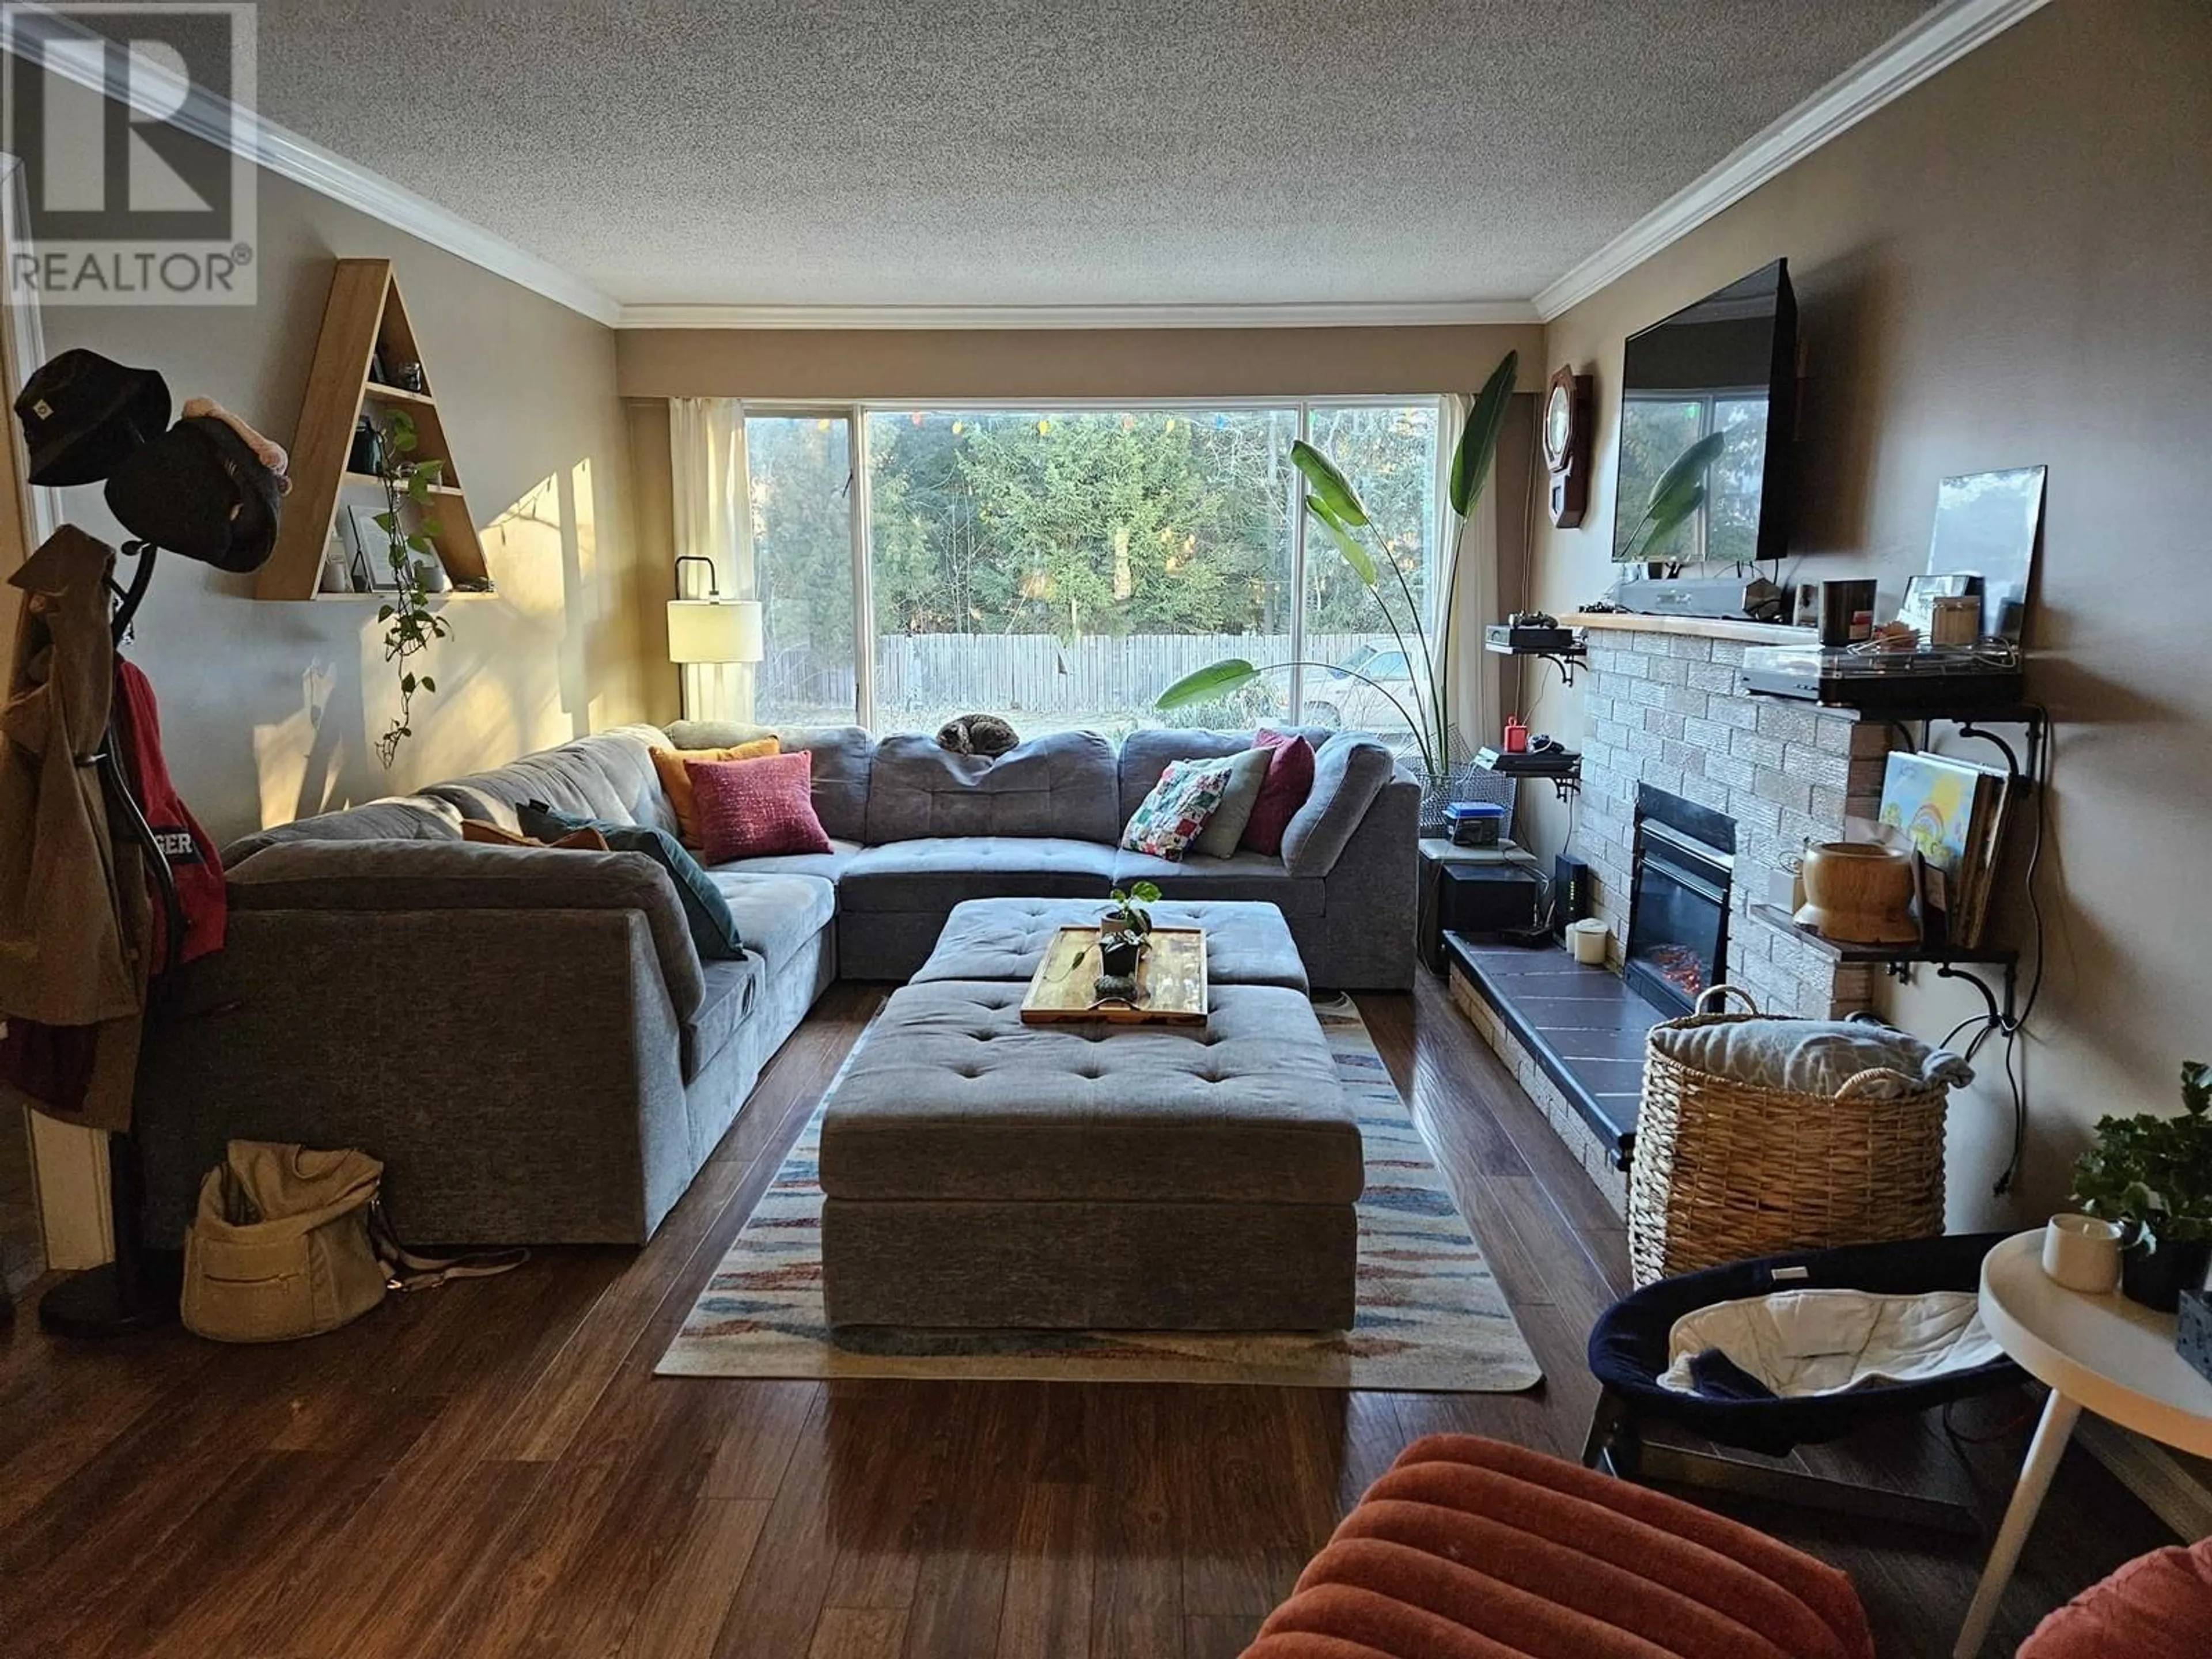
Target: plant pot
[(1118, 954), (1858, 894), (2156, 1277)]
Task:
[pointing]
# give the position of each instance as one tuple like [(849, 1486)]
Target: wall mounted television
[(1723, 373)]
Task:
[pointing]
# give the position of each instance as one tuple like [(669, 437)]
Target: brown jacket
[(70, 935)]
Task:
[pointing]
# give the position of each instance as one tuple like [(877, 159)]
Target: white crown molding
[(1937, 41), (306, 162), (1443, 314), (1929, 46), (246, 133)]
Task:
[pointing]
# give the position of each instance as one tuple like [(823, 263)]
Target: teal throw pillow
[(706, 912)]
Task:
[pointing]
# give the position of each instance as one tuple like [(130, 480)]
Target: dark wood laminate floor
[(493, 1469)]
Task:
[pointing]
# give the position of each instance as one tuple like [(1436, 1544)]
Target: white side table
[(2100, 1353)]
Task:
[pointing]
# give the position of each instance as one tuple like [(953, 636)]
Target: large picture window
[(1062, 566)]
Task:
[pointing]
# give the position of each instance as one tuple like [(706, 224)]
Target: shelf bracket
[(1977, 975), (1563, 660), (2032, 720)]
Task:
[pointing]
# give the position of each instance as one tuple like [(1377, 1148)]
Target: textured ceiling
[(1112, 152)]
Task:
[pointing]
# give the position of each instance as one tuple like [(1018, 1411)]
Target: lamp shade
[(713, 630)]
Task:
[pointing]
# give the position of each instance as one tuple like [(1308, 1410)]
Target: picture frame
[(373, 546), (1988, 525)]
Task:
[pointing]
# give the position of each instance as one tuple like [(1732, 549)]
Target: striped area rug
[(1431, 1317)]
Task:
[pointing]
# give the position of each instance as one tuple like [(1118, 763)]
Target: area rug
[(1431, 1317)]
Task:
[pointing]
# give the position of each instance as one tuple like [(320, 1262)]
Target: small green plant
[(2154, 1172), (411, 625), (1129, 916)]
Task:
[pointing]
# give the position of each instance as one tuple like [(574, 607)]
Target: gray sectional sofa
[(529, 1040)]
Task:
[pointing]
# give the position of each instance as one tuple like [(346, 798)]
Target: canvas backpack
[(289, 1242)]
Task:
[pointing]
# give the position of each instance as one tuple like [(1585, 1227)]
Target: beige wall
[(942, 364), (269, 709), (2009, 266)]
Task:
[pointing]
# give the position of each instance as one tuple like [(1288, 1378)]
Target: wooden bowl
[(1859, 894)]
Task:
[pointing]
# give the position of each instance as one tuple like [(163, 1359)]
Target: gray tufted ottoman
[(1245, 944), (983, 1173)]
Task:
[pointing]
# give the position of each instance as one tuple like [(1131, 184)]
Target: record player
[(1935, 679)]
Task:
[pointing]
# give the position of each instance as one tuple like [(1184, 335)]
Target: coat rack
[(134, 1291)]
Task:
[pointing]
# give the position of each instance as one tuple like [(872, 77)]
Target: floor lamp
[(712, 629)]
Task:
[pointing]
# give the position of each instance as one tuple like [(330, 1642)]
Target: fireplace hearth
[(1684, 863), (1684, 775)]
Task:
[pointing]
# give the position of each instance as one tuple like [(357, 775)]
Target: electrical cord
[(2041, 784), (1998, 1025)]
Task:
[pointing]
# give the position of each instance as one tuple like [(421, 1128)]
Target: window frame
[(856, 412)]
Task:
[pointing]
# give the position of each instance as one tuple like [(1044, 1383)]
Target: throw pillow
[(1171, 818), (758, 808), (490, 835), (1290, 780), (706, 912), (1247, 772), (675, 782)]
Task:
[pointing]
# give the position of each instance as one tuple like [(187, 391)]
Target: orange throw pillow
[(490, 835), (675, 782)]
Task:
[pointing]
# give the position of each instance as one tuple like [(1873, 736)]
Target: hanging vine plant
[(409, 625)]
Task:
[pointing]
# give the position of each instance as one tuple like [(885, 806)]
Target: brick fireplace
[(1667, 729), (1665, 709)]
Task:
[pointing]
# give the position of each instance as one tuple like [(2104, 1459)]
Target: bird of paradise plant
[(1332, 504)]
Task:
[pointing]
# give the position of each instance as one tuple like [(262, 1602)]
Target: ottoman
[(982, 1173), (1245, 944), (1474, 1549)]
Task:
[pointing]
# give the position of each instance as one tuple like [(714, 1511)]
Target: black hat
[(83, 414), (198, 490)]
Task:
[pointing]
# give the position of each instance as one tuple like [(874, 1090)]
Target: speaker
[(1570, 893), (1486, 899)]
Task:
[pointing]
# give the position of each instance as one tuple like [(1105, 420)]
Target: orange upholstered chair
[(2157, 1607), (1473, 1549)]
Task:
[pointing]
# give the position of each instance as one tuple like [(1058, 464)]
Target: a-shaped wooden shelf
[(365, 326)]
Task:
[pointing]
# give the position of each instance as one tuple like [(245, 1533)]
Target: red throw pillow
[(756, 809), (1290, 780)]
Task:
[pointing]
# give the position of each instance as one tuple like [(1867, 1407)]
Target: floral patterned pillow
[(1187, 795)]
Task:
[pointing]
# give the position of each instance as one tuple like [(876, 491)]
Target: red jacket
[(193, 864)]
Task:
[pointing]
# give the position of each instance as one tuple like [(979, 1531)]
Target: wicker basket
[(1723, 1170)]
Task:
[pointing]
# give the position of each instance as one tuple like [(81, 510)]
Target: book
[(1952, 813)]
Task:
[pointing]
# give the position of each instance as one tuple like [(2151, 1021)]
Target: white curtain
[(1473, 697), (713, 519)]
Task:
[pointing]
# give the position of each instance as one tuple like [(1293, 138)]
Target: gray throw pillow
[(1247, 772)]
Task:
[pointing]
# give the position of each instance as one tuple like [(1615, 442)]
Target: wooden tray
[(1171, 981)]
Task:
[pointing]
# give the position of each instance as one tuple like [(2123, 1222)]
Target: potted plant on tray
[(1122, 930), (2154, 1176)]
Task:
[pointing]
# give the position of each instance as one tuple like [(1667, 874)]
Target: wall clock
[(1566, 440)]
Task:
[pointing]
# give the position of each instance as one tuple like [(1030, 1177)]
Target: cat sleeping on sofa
[(977, 734)]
